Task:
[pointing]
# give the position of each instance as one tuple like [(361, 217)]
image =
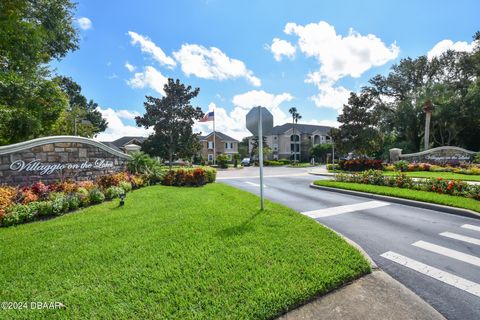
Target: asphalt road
[(434, 254)]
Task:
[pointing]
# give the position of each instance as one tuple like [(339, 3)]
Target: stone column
[(395, 154)]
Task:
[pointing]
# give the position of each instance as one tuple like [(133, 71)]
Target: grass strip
[(425, 196), (174, 253)]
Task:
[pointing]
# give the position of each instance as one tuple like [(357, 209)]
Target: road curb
[(372, 263), (408, 202)]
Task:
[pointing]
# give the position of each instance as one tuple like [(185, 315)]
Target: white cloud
[(331, 97), (150, 78), (281, 48), (233, 123), (116, 128), (148, 46), (212, 63), (84, 23), (445, 45), (338, 55), (112, 76), (126, 114), (130, 66)]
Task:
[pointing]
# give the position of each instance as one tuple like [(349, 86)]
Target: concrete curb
[(413, 203)]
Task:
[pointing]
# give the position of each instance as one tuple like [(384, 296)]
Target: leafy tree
[(243, 147), (222, 160), (32, 33), (81, 117), (254, 151), (172, 118), (358, 131), (320, 151)]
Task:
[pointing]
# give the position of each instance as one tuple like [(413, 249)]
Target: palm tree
[(295, 117)]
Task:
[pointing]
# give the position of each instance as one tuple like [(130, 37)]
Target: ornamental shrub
[(125, 185), (96, 196), (7, 197), (401, 165), (332, 166), (73, 201), (113, 192), (361, 164), (19, 213), (60, 203), (45, 208), (84, 196), (222, 160)]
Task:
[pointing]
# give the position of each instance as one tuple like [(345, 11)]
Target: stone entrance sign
[(58, 158), (440, 155)]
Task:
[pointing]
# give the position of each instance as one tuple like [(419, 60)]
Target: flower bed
[(438, 185), (402, 165), (37, 201)]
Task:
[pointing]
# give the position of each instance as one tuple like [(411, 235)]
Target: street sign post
[(260, 122)]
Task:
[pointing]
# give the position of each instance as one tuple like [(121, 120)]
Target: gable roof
[(302, 128), (121, 142), (222, 137)]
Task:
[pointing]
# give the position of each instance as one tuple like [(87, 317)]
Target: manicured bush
[(189, 177), (438, 185), (45, 208), (222, 160), (113, 192), (401, 165), (7, 197), (96, 196), (125, 185), (361, 164), (19, 213), (273, 163), (332, 166), (60, 204), (84, 196), (73, 202)]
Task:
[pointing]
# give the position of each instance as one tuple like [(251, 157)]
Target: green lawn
[(418, 195), (174, 253), (426, 174)]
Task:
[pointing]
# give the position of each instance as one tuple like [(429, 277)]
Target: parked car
[(246, 162)]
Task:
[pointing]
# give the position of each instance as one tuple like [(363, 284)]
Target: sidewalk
[(374, 296)]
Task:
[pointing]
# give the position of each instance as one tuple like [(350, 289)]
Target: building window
[(210, 157), (295, 148), (275, 147), (295, 138), (210, 144), (228, 145), (229, 156), (316, 139)]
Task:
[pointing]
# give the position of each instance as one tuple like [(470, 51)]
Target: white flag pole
[(214, 139)]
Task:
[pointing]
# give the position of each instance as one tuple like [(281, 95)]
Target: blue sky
[(279, 54)]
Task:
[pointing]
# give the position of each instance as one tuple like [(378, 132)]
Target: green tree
[(254, 151), (359, 132), (320, 151), (81, 118), (172, 118), (243, 147), (32, 33)]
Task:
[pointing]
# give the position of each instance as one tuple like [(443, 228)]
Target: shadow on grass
[(241, 229)]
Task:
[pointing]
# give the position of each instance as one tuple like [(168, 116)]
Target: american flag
[(209, 116)]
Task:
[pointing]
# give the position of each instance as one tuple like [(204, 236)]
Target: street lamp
[(82, 121)]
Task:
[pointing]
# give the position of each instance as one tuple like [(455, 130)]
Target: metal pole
[(260, 154), (427, 130), (214, 139)]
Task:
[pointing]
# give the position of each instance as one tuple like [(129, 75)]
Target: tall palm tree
[(295, 117)]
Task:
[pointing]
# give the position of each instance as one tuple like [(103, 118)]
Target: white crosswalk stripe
[(445, 277), (471, 227), (254, 184), (448, 252), (333, 211), (461, 237)]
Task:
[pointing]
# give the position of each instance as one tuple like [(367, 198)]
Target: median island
[(177, 253)]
